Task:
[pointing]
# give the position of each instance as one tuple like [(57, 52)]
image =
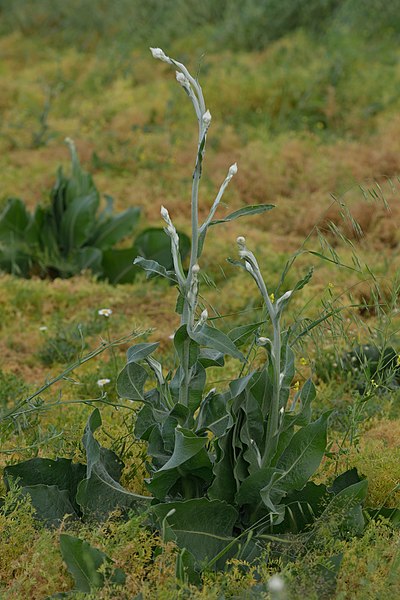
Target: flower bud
[(195, 269), (207, 118), (233, 169), (164, 213), (160, 54), (204, 315), (182, 80), (241, 241)]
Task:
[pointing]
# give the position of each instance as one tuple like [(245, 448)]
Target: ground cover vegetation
[(294, 477)]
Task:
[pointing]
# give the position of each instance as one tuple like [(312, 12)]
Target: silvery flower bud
[(164, 213), (204, 315), (160, 54), (195, 269), (241, 241), (182, 80), (233, 169), (207, 118)]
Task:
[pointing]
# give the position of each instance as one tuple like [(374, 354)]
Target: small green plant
[(70, 235)]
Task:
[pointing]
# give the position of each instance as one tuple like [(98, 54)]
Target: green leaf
[(114, 229), (130, 382), (215, 339), (211, 358), (187, 444), (77, 222), (61, 472), (84, 562), (14, 220), (100, 493), (154, 268), (204, 527), (50, 503), (240, 335), (117, 265), (88, 258), (213, 415), (346, 508), (138, 352), (154, 244), (183, 343), (246, 211)]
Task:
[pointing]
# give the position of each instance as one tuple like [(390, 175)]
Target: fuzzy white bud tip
[(241, 240), (233, 169), (160, 54), (164, 212), (204, 315), (262, 341), (195, 269), (181, 79), (207, 118)]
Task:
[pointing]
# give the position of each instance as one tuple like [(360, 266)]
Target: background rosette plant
[(71, 234)]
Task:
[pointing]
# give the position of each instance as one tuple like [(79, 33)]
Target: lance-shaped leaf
[(131, 380), (204, 527), (189, 462), (84, 562), (240, 335), (50, 503), (114, 228), (100, 493), (152, 268), (139, 352), (246, 211), (216, 339), (298, 462)]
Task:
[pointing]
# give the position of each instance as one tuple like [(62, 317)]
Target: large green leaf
[(100, 493), (215, 339), (50, 503), (77, 222), (138, 352), (240, 335), (84, 562), (131, 380), (204, 527), (117, 265), (115, 228), (61, 472), (188, 468), (14, 220)]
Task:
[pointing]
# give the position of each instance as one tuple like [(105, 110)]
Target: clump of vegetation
[(229, 472), (69, 235)]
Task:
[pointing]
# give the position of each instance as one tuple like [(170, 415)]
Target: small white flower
[(160, 54), (43, 328), (233, 169), (105, 312), (207, 118), (102, 382), (276, 584)]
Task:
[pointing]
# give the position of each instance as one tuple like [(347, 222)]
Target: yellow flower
[(272, 297), (398, 360), (331, 285), (296, 386), (303, 361)]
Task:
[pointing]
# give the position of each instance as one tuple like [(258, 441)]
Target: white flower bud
[(241, 241), (207, 118), (160, 54), (262, 341), (182, 80), (204, 315), (195, 269), (233, 169), (164, 213)]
